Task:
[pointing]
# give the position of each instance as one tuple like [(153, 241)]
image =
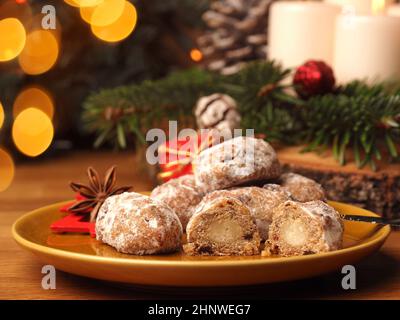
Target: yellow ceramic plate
[(85, 256)]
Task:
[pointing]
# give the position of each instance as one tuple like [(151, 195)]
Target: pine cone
[(217, 111), (237, 33)]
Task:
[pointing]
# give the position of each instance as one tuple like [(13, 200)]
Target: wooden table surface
[(44, 182)]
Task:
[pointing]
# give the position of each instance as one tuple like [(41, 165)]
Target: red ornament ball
[(313, 78)]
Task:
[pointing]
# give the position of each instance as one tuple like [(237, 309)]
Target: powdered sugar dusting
[(235, 161), (302, 188), (134, 223), (181, 195), (153, 223), (329, 219), (317, 225)]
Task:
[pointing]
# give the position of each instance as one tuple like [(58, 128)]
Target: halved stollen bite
[(304, 228), (222, 226)]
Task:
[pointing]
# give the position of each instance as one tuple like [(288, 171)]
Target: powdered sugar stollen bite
[(260, 201), (302, 189), (234, 162), (137, 224), (304, 228), (222, 226), (181, 194)]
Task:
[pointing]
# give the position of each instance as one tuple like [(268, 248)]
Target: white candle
[(363, 6), (394, 10), (367, 47), (299, 31)]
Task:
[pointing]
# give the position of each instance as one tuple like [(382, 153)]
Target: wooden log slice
[(378, 191)]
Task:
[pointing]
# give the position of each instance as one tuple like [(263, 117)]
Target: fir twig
[(361, 118), (357, 116), (134, 109)]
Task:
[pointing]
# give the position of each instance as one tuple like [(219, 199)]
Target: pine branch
[(126, 113), (115, 115), (358, 117), (263, 102)]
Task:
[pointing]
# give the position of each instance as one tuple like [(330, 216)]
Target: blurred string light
[(196, 55), (104, 13), (83, 3), (32, 132), (6, 170), (12, 34), (40, 52), (12, 38), (1, 115), (35, 23), (119, 29), (34, 97), (378, 6)]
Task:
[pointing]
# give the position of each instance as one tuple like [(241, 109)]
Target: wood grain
[(40, 183), (378, 191)]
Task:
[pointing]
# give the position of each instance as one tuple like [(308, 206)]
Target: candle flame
[(378, 6)]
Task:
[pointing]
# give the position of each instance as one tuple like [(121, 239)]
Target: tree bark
[(378, 191)]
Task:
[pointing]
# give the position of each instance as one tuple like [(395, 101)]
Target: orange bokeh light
[(13, 37), (83, 3), (103, 14), (1, 115), (35, 23), (121, 28), (196, 55), (40, 52), (7, 170), (34, 97), (32, 132)]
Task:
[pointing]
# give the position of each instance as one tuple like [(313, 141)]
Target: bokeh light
[(196, 55), (72, 3), (378, 6), (121, 28), (40, 52), (83, 3), (35, 23), (32, 132), (104, 14), (13, 37), (7, 170), (1, 115), (34, 97)]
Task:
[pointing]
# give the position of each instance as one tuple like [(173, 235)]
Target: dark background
[(161, 42)]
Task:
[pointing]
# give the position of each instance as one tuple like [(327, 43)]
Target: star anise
[(96, 192)]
